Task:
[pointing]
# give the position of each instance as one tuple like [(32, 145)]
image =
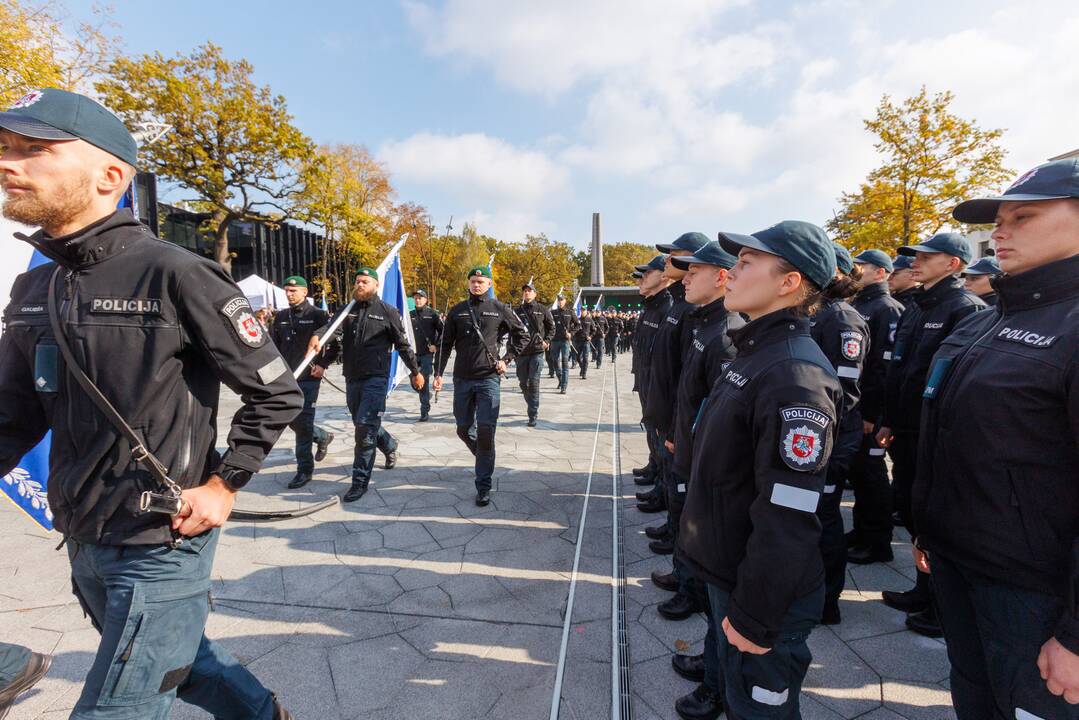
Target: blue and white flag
[(491, 272), (392, 292), (577, 304), (599, 303)]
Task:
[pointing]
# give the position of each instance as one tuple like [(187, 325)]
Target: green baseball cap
[(369, 272), (295, 281), (51, 114), (478, 271)]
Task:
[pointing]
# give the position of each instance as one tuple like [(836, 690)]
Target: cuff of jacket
[(237, 459), (1067, 633), (750, 629)]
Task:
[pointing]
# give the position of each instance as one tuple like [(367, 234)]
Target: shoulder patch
[(852, 343), (243, 322), (803, 434)]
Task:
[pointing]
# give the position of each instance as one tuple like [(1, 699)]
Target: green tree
[(932, 159), (548, 263), (232, 143)]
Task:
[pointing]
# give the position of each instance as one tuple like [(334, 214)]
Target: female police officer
[(996, 498), (760, 456)]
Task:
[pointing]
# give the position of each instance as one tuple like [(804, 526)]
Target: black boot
[(831, 615), (299, 480), (641, 470), (652, 506), (657, 532), (853, 538), (914, 600), (679, 607), (648, 495), (662, 547), (483, 498), (391, 459), (869, 554), (357, 491), (425, 416), (665, 581), (925, 622), (691, 667), (701, 704), (643, 481), (531, 422), (320, 448)]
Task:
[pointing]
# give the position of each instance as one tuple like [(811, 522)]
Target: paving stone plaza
[(414, 603)]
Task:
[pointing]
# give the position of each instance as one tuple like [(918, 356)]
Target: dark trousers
[(304, 427), (597, 350), (904, 452), (652, 468), (475, 409), (763, 687), (366, 399), (426, 362), (560, 351), (868, 476), (581, 348), (549, 354), (150, 603), (612, 346), (995, 632), (529, 369), (833, 543)]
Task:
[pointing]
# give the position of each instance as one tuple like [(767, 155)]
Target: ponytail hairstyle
[(847, 285)]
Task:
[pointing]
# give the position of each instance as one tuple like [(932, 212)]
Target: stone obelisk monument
[(597, 252)]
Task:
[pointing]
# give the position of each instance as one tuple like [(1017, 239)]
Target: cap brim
[(31, 128), (733, 243), (667, 247), (983, 211), (912, 250), (683, 263), (888, 268)]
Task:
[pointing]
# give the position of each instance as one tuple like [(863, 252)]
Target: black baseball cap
[(843, 261), (985, 266), (802, 244), (875, 257), (1050, 181), (950, 243), (711, 253), (528, 286), (690, 241), (902, 262), (657, 263), (52, 114), (636, 275)]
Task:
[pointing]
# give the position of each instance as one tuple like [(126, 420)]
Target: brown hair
[(845, 286), (811, 297)]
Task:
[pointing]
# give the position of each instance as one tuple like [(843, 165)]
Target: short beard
[(69, 200)]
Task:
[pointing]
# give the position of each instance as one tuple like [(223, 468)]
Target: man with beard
[(156, 329)]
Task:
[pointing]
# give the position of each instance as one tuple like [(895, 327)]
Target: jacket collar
[(88, 246), (659, 297), (773, 327), (705, 313), (677, 291), (932, 297), (873, 291), (1041, 286), (478, 299)]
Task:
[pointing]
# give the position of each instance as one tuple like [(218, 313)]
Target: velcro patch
[(272, 370), (803, 434), (243, 322), (126, 306), (852, 344)]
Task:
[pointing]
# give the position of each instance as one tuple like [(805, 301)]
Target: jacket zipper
[(70, 288), (185, 450)]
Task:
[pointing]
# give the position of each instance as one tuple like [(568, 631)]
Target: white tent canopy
[(262, 293)]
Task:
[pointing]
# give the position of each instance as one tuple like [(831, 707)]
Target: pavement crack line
[(556, 695)]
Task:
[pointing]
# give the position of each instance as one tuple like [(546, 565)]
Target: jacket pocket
[(1037, 529)]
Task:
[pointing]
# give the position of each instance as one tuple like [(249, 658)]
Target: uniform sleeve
[(844, 344), (22, 418), (548, 326), (519, 337), (1067, 632), (875, 370), (446, 342), (215, 314), (893, 376), (794, 423), (400, 340), (573, 322)]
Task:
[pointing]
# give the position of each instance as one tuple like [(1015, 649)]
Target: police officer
[(871, 536), (936, 309), (615, 327), (157, 329), (996, 500), (427, 327), (539, 323), (710, 351), (657, 302), (473, 328), (843, 337), (901, 283), (582, 341), (978, 279), (760, 457), (20, 670), (291, 332), (367, 336), (602, 328), (565, 325)]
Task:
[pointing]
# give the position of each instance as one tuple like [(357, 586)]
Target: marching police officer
[(427, 327), (291, 332), (978, 279), (843, 337), (366, 337), (582, 340), (936, 309), (539, 323), (616, 325), (996, 500), (156, 329), (871, 536), (652, 286), (565, 325), (710, 351), (602, 328), (760, 458), (473, 328)]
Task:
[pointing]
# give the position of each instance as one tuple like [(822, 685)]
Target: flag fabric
[(323, 305), (392, 292), (491, 269), (554, 305), (599, 303), (577, 304)]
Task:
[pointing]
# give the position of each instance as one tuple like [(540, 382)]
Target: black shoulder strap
[(479, 333), (138, 450)]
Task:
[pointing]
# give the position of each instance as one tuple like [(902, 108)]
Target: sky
[(665, 117)]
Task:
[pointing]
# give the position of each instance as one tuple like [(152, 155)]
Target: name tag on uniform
[(489, 314), (377, 317), (126, 306), (1026, 337)]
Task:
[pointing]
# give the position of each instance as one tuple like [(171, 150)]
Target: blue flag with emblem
[(577, 304), (392, 292)]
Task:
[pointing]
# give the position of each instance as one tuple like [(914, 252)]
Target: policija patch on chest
[(243, 322), (802, 434), (125, 306)]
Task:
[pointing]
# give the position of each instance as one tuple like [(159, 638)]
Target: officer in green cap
[(291, 332), (472, 330)]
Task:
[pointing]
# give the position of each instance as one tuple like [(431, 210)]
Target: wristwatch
[(233, 476)]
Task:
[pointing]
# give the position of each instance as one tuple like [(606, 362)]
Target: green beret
[(477, 271), (369, 272), (295, 281)]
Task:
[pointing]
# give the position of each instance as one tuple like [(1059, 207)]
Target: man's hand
[(669, 445), (739, 641), (437, 384), (546, 345), (921, 557), (1060, 670), (417, 382), (204, 507), (867, 427), (885, 436), (314, 345), (432, 348), (500, 367), (317, 371)]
